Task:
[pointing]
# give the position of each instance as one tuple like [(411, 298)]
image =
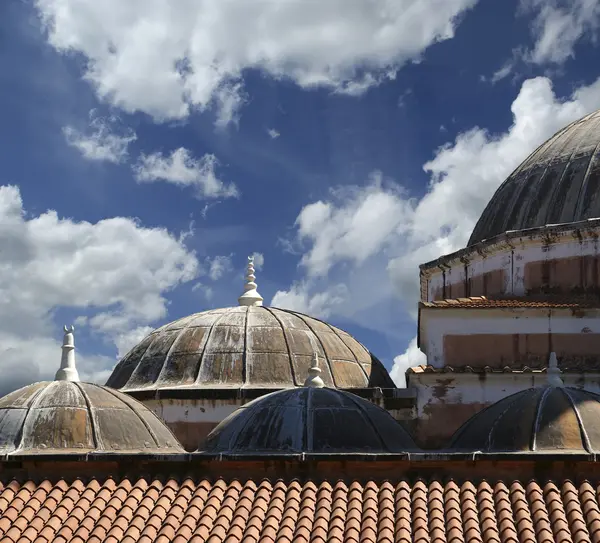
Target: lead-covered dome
[(557, 183), (309, 420), (62, 417), (246, 346), (537, 420)]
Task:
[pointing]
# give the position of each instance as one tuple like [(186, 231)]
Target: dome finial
[(314, 379), (554, 379), (251, 295), (67, 370)]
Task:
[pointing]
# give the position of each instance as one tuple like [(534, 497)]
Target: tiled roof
[(180, 511), (476, 302)]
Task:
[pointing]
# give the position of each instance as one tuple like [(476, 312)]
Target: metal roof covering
[(558, 183), (63, 417), (247, 347), (536, 420), (312, 420)]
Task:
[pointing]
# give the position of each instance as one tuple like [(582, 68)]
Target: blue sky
[(149, 147)]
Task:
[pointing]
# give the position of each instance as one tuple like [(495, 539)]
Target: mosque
[(252, 423)]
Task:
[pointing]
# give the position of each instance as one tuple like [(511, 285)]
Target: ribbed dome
[(246, 346), (558, 183), (537, 420), (311, 420), (71, 417)]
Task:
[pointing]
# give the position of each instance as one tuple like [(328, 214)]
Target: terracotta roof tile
[(483, 302), (241, 511)]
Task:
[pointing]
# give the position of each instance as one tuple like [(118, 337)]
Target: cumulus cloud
[(192, 54), (115, 269), (413, 356), (319, 304), (558, 25), (380, 224), (106, 141), (273, 134), (180, 168)]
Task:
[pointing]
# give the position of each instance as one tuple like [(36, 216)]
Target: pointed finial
[(314, 374), (251, 295), (67, 370), (554, 379)]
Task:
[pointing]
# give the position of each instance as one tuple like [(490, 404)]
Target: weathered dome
[(537, 420), (558, 183), (311, 420), (62, 417), (250, 346)]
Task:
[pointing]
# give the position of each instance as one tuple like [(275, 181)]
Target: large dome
[(558, 183), (246, 346), (541, 420), (61, 417), (311, 420)]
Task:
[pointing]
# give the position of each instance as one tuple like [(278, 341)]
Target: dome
[(62, 417), (538, 420), (311, 420), (246, 346), (557, 183), (65, 416)]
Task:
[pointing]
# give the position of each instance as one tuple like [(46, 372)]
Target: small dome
[(62, 417), (247, 346), (557, 183), (311, 420), (537, 420)]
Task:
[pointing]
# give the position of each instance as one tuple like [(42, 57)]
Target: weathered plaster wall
[(191, 420), (544, 261), (446, 400), (508, 336)]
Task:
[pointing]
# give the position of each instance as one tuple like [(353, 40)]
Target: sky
[(148, 147)]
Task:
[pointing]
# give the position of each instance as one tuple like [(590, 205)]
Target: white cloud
[(167, 58), (559, 25), (106, 141), (273, 134), (413, 356), (219, 266), (319, 304), (180, 168), (380, 226), (115, 269), (259, 261)]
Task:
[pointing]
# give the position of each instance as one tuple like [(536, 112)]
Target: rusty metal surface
[(309, 420), (65, 417), (246, 347), (537, 420), (558, 183)]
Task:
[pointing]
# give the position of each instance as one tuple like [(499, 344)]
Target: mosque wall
[(543, 262), (191, 420), (511, 337), (445, 400)]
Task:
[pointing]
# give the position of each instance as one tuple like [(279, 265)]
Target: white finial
[(314, 380), (554, 379), (251, 295), (67, 371)]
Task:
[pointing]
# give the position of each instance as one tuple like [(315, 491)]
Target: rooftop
[(182, 509)]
